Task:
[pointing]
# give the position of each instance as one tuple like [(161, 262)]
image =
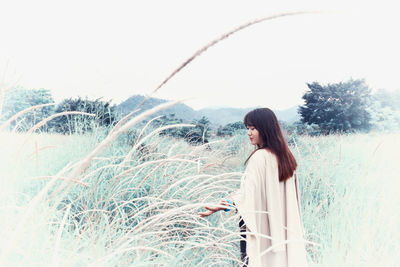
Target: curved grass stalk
[(115, 133), (200, 187), (43, 122), (145, 164), (82, 165), (160, 129), (150, 221), (214, 42), (22, 112), (145, 127), (181, 181), (123, 120), (207, 183)]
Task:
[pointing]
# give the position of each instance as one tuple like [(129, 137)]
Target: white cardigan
[(271, 211)]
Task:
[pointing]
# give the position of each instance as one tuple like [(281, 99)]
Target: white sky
[(116, 49)]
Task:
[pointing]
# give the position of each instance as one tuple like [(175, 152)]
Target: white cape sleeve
[(259, 199)]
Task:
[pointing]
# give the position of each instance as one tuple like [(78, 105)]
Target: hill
[(223, 116), (217, 116), (186, 113)]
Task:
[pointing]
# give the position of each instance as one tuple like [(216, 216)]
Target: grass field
[(137, 205)]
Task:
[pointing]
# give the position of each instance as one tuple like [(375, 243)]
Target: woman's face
[(254, 135)]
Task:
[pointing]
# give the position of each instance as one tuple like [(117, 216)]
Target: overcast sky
[(115, 49)]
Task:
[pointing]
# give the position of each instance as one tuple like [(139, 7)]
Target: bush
[(104, 112), (18, 99), (230, 129), (193, 135), (338, 107)]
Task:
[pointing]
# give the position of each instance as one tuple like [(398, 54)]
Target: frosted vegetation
[(103, 199), (106, 197)]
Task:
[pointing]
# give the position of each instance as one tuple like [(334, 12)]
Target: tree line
[(340, 107), (18, 99), (105, 116), (349, 107)]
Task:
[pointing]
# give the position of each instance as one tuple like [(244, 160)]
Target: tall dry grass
[(349, 198), (88, 203), (108, 191), (143, 211)]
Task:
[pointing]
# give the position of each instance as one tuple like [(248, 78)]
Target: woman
[(268, 199)]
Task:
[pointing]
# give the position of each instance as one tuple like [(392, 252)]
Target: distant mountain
[(289, 115), (182, 111), (223, 116), (217, 116)]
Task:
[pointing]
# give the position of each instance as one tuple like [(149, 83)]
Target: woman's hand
[(211, 210)]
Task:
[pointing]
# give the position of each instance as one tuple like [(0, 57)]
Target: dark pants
[(243, 254)]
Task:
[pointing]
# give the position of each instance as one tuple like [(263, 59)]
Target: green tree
[(18, 99), (105, 115), (200, 133), (338, 107), (230, 128), (385, 110), (193, 135), (390, 99), (169, 120)]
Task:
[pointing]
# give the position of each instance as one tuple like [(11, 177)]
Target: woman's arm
[(211, 210)]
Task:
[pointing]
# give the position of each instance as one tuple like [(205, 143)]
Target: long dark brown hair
[(266, 123)]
